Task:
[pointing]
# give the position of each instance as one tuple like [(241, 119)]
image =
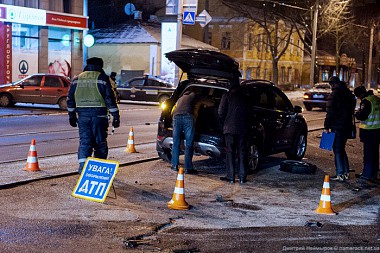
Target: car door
[(263, 118), (284, 118), (29, 90), (151, 90), (52, 89), (132, 90)]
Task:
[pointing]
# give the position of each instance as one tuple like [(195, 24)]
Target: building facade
[(246, 41), (41, 36)]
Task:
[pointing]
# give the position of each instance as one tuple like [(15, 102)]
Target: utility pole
[(369, 77), (179, 37), (314, 43)]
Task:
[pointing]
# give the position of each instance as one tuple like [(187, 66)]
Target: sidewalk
[(12, 174)]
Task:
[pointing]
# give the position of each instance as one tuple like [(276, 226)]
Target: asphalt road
[(273, 212)]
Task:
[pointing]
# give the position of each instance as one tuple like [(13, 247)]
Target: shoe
[(358, 175), (191, 172), (243, 181), (227, 180), (346, 176), (174, 167), (339, 178)]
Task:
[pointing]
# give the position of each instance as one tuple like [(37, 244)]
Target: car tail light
[(160, 138)]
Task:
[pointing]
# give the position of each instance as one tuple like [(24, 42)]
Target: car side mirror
[(297, 109)]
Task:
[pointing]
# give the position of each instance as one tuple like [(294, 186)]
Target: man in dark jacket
[(339, 112), (369, 131), (233, 115), (91, 97)]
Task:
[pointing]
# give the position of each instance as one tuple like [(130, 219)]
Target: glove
[(73, 121), (116, 122)]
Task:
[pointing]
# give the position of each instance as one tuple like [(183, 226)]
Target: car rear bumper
[(200, 148), (315, 103)]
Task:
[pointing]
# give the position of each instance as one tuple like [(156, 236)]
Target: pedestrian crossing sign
[(188, 18)]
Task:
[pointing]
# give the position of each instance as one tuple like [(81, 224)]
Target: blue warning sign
[(96, 179), (188, 18)]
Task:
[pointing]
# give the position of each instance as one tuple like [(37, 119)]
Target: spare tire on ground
[(298, 167)]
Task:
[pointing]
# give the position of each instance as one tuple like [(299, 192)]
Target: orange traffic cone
[(178, 201), (32, 161), (131, 146), (325, 202)]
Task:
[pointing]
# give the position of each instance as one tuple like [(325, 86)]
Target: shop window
[(226, 41), (283, 74), (25, 44), (258, 72), (59, 57), (289, 74), (250, 41), (259, 42), (22, 3), (56, 5), (208, 37)]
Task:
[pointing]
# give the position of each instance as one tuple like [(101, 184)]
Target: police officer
[(91, 97), (369, 131)]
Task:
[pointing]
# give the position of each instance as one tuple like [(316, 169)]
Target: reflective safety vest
[(373, 121), (87, 93)]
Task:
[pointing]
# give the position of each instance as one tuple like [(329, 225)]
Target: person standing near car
[(185, 113), (114, 86), (90, 97), (184, 122), (369, 131), (339, 112), (233, 115)]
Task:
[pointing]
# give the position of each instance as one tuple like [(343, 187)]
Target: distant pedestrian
[(233, 115), (369, 131), (90, 97), (114, 86), (339, 112)]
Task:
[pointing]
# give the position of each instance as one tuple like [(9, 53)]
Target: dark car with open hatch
[(277, 126)]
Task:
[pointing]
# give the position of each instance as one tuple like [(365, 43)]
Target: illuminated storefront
[(39, 41)]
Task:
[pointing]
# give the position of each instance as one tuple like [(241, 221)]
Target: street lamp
[(314, 43)]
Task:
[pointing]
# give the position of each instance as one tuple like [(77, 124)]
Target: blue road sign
[(96, 179), (188, 18)]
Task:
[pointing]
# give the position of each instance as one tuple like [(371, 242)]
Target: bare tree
[(268, 17), (337, 23)]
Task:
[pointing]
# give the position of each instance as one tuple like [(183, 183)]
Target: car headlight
[(163, 105), (306, 96)]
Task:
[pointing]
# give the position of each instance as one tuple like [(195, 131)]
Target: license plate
[(318, 96)]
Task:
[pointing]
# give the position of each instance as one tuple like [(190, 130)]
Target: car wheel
[(299, 147), (308, 108), (5, 100), (62, 103), (163, 98), (166, 155), (253, 158), (298, 167)]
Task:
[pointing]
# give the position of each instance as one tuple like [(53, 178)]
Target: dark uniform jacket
[(340, 109), (233, 112)]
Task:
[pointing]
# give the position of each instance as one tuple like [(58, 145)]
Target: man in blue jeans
[(183, 121), (339, 112)]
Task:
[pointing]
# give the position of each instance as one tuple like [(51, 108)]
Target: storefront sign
[(31, 16), (6, 53), (64, 20), (3, 13), (96, 179), (24, 15)]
